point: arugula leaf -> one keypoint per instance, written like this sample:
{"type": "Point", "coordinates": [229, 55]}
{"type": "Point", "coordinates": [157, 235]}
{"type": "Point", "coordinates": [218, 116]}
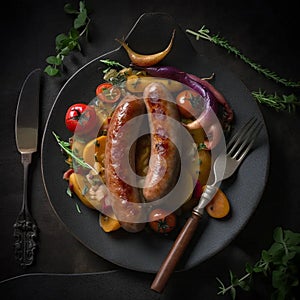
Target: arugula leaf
{"type": "Point", "coordinates": [111, 64]}
{"type": "Point", "coordinates": [66, 147]}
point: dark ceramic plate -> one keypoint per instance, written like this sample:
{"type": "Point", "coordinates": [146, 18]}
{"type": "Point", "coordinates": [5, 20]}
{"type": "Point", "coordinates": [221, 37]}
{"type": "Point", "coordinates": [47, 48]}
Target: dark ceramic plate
{"type": "Point", "coordinates": [145, 251]}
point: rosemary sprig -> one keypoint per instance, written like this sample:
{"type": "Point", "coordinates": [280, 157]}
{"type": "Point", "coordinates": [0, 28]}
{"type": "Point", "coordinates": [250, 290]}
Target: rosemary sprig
{"type": "Point", "coordinates": [203, 33]}
{"type": "Point", "coordinates": [279, 103]}
{"type": "Point", "coordinates": [65, 146]}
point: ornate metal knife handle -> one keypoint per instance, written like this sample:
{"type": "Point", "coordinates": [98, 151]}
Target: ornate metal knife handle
{"type": "Point", "coordinates": [25, 228]}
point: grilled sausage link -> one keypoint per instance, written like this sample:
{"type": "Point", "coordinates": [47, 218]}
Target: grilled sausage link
{"type": "Point", "coordinates": [123, 195]}
{"type": "Point", "coordinates": [164, 164]}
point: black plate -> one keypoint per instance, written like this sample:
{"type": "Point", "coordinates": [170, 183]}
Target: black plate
{"type": "Point", "coordinates": [146, 250]}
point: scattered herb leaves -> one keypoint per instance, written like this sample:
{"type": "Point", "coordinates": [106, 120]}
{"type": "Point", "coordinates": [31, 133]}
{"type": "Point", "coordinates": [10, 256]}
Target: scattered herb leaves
{"type": "Point", "coordinates": [201, 146]}
{"type": "Point", "coordinates": [69, 192]}
{"type": "Point", "coordinates": [78, 208]}
{"type": "Point", "coordinates": [279, 264]}
{"type": "Point", "coordinates": [65, 43]}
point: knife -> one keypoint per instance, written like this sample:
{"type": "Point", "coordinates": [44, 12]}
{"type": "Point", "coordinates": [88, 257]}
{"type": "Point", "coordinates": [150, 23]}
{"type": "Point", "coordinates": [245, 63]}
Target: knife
{"type": "Point", "coordinates": [26, 132]}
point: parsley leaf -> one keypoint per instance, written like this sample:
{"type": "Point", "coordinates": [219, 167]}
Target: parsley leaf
{"type": "Point", "coordinates": [65, 43]}
{"type": "Point", "coordinates": [279, 264]}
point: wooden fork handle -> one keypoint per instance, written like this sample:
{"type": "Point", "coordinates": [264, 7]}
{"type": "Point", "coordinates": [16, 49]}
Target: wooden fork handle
{"type": "Point", "coordinates": [175, 253]}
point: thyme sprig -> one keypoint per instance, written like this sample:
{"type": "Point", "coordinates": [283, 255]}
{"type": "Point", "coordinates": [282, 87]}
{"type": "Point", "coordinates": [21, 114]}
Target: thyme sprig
{"type": "Point", "coordinates": [65, 43]}
{"type": "Point", "coordinates": [279, 103]}
{"type": "Point", "coordinates": [280, 264]}
{"type": "Point", "coordinates": [204, 33]}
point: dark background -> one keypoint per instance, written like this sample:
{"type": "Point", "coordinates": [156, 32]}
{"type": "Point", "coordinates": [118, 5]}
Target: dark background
{"type": "Point", "coordinates": [264, 31]}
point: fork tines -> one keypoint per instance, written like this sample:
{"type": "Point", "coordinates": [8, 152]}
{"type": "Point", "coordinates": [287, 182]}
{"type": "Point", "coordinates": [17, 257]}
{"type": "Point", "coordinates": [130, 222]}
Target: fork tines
{"type": "Point", "coordinates": [240, 144]}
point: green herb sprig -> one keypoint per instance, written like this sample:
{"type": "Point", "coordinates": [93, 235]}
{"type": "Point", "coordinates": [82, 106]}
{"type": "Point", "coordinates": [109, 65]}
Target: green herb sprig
{"type": "Point", "coordinates": [280, 264]}
{"type": "Point", "coordinates": [65, 43]}
{"type": "Point", "coordinates": [65, 146]}
{"type": "Point", "coordinates": [111, 64]}
{"type": "Point", "coordinates": [279, 103]}
{"type": "Point", "coordinates": [203, 33]}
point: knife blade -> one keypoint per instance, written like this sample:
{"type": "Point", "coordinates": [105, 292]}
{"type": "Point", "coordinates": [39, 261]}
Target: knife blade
{"type": "Point", "coordinates": [26, 134]}
{"type": "Point", "coordinates": [27, 114]}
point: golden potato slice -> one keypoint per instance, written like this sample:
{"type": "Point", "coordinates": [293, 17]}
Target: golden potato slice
{"type": "Point", "coordinates": [94, 150]}
{"type": "Point", "coordinates": [79, 185]}
{"type": "Point", "coordinates": [137, 84]}
{"type": "Point", "coordinates": [108, 224]}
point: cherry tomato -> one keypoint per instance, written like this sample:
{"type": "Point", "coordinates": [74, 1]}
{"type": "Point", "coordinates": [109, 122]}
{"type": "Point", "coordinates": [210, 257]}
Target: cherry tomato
{"type": "Point", "coordinates": [108, 92]}
{"type": "Point", "coordinates": [80, 117]}
{"type": "Point", "coordinates": [189, 103]}
{"type": "Point", "coordinates": [162, 221]}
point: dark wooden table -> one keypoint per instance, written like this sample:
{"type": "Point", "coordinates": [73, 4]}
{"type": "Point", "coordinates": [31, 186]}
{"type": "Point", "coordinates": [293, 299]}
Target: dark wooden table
{"type": "Point", "coordinates": [265, 32]}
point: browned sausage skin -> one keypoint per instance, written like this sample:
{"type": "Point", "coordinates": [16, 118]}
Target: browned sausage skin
{"type": "Point", "coordinates": [164, 164]}
{"type": "Point", "coordinates": [123, 195]}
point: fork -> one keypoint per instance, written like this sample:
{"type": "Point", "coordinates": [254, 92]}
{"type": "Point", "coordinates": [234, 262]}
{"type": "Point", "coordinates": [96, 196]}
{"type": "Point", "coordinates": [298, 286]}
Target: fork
{"type": "Point", "coordinates": [224, 166]}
